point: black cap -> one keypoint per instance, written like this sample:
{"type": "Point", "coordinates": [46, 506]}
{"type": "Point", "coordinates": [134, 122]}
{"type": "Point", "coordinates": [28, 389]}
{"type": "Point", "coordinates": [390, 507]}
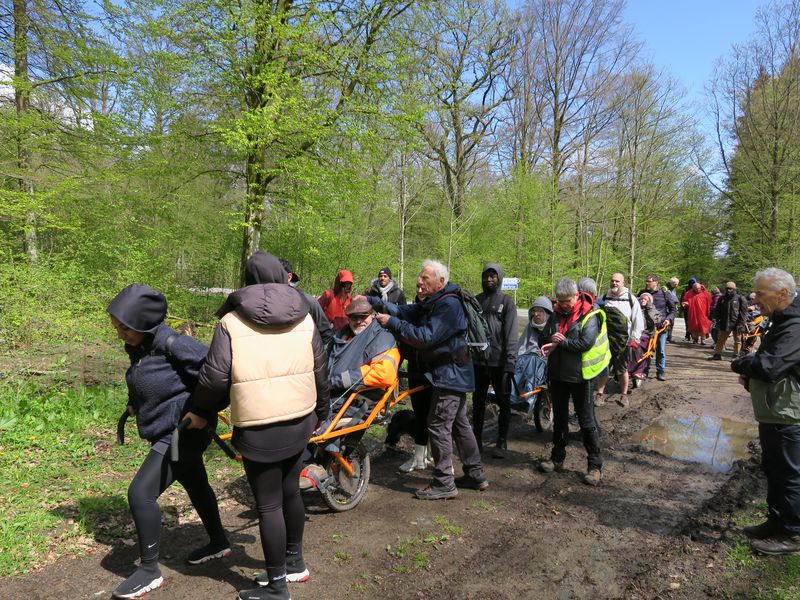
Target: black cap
{"type": "Point", "coordinates": [139, 307]}
{"type": "Point", "coordinates": [386, 270]}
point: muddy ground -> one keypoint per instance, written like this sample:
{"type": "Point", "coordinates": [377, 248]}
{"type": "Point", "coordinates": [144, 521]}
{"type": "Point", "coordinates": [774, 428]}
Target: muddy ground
{"type": "Point", "coordinates": [657, 527]}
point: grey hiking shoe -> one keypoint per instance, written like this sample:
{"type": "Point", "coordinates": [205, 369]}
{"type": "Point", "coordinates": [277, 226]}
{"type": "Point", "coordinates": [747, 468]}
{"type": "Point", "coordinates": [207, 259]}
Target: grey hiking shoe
{"type": "Point", "coordinates": [436, 492]}
{"type": "Point", "coordinates": [778, 543]}
{"type": "Point", "coordinates": [548, 466]}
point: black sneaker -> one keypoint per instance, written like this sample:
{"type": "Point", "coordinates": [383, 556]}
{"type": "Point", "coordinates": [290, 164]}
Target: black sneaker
{"type": "Point", "coordinates": [138, 584]}
{"type": "Point", "coordinates": [296, 571]}
{"type": "Point", "coordinates": [436, 492]}
{"type": "Point", "coordinates": [473, 483]}
{"type": "Point", "coordinates": [209, 552]}
{"type": "Point", "coordinates": [275, 590]}
{"type": "Point", "coordinates": [500, 449]}
{"type": "Point", "coordinates": [715, 356]}
{"type": "Point", "coordinates": [661, 377]}
{"type": "Point", "coordinates": [761, 531]}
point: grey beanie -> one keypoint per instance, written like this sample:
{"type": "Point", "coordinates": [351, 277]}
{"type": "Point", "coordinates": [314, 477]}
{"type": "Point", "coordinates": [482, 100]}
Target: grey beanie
{"type": "Point", "coordinates": [543, 302]}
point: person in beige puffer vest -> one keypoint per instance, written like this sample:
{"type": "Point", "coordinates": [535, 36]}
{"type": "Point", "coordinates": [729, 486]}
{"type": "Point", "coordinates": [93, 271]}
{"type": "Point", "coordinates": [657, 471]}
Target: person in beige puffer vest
{"type": "Point", "coordinates": [268, 362]}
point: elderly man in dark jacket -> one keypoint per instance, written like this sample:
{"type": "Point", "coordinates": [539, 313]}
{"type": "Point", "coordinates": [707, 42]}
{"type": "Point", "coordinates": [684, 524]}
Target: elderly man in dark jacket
{"type": "Point", "coordinates": [665, 305]}
{"type": "Point", "coordinates": [435, 328]}
{"type": "Point", "coordinates": [731, 317]}
{"type": "Point", "coordinates": [500, 312]}
{"type": "Point", "coordinates": [772, 375]}
{"type": "Point", "coordinates": [572, 331]}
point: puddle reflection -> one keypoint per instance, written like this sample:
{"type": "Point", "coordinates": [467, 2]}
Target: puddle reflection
{"type": "Point", "coordinates": [713, 441]}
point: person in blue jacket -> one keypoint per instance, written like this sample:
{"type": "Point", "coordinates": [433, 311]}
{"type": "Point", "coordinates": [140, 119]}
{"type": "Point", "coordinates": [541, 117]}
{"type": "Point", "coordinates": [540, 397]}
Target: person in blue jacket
{"type": "Point", "coordinates": [161, 378]}
{"type": "Point", "coordinates": [435, 328]}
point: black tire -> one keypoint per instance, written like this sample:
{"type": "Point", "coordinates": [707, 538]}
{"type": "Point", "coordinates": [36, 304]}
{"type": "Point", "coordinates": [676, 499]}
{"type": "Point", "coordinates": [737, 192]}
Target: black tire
{"type": "Point", "coordinates": [543, 412]}
{"type": "Point", "coordinates": [345, 492]}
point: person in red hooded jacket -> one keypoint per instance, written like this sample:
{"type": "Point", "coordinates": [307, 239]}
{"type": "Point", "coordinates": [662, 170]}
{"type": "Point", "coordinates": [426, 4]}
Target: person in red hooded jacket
{"type": "Point", "coordinates": [698, 302]}
{"type": "Point", "coordinates": [335, 300]}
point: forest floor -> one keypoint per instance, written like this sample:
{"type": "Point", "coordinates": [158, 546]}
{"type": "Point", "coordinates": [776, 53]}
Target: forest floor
{"type": "Point", "coordinates": [679, 472]}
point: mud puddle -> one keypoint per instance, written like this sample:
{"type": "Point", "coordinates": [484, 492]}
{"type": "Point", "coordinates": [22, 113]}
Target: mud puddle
{"type": "Point", "coordinates": [713, 441]}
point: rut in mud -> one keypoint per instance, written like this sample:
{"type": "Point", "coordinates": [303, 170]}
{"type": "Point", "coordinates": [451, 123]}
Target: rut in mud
{"type": "Point", "coordinates": [654, 528]}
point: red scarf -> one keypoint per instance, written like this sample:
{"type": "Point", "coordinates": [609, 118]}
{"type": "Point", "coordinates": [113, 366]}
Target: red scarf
{"type": "Point", "coordinates": [565, 320]}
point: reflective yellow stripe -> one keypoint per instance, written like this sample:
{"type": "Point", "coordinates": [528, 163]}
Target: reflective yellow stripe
{"type": "Point", "coordinates": [595, 359]}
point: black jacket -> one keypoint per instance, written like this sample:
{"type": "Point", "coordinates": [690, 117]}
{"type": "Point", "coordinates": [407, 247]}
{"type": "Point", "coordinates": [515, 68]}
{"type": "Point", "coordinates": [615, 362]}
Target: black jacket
{"type": "Point", "coordinates": [320, 320]}
{"type": "Point", "coordinates": [436, 330]}
{"type": "Point", "coordinates": [779, 349]}
{"type": "Point", "coordinates": [564, 363]}
{"type": "Point", "coordinates": [394, 295]}
{"type": "Point", "coordinates": [500, 313]}
{"type": "Point", "coordinates": [731, 313]}
{"type": "Point", "coordinates": [267, 301]}
{"type": "Point", "coordinates": [161, 381]}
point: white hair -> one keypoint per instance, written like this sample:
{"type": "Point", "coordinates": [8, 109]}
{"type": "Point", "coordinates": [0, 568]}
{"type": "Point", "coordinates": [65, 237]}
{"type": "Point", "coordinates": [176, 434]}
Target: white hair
{"type": "Point", "coordinates": [566, 287]}
{"type": "Point", "coordinates": [587, 284]}
{"type": "Point", "coordinates": [778, 280]}
{"type": "Point", "coordinates": [439, 270]}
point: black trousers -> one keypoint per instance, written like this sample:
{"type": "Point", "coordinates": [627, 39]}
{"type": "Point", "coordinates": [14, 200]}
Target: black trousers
{"type": "Point", "coordinates": [154, 476]}
{"type": "Point", "coordinates": [485, 375]}
{"type": "Point", "coordinates": [281, 514]}
{"type": "Point", "coordinates": [581, 394]}
{"type": "Point", "coordinates": [780, 459]}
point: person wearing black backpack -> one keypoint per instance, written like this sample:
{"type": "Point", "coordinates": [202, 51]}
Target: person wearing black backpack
{"type": "Point", "coordinates": [500, 312]}
{"type": "Point", "coordinates": [436, 329]}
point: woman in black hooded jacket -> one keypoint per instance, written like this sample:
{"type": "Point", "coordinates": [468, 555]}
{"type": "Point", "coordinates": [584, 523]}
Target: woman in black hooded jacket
{"type": "Point", "coordinates": [161, 379]}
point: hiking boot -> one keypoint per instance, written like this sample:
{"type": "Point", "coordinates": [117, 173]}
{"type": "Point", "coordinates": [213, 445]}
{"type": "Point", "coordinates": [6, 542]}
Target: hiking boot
{"type": "Point", "coordinates": [500, 449]}
{"type": "Point", "coordinates": [296, 571]}
{"type": "Point", "coordinates": [761, 531]}
{"type": "Point", "coordinates": [778, 543]}
{"type": "Point", "coordinates": [661, 377]}
{"type": "Point", "coordinates": [715, 356]}
{"type": "Point", "coordinates": [312, 475]}
{"type": "Point", "coordinates": [623, 400]}
{"type": "Point", "coordinates": [274, 590]}
{"type": "Point", "coordinates": [209, 552]}
{"type": "Point", "coordinates": [593, 476]}
{"type": "Point", "coordinates": [702, 342]}
{"type": "Point", "coordinates": [473, 483]}
{"type": "Point", "coordinates": [599, 399]}
{"type": "Point", "coordinates": [436, 492]}
{"type": "Point", "coordinates": [142, 581]}
{"type": "Point", "coordinates": [548, 466]}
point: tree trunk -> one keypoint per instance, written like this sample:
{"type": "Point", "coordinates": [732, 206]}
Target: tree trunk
{"type": "Point", "coordinates": [22, 101]}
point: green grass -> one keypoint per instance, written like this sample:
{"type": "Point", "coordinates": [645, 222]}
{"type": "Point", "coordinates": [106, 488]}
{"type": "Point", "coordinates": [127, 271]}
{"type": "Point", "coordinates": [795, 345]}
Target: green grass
{"type": "Point", "coordinates": [767, 577]}
{"type": "Point", "coordinates": [411, 553]}
{"type": "Point", "coordinates": [62, 476]}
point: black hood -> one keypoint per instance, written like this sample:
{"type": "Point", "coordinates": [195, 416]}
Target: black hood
{"type": "Point", "coordinates": [267, 299]}
{"type": "Point", "coordinates": [139, 307]}
{"type": "Point", "coordinates": [262, 267]}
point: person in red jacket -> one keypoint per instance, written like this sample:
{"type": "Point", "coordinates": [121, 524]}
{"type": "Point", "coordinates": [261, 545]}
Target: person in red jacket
{"type": "Point", "coordinates": [698, 302]}
{"type": "Point", "coordinates": [335, 300]}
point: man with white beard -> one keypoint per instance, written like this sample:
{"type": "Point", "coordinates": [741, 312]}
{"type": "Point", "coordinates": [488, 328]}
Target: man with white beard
{"type": "Point", "coordinates": [625, 323]}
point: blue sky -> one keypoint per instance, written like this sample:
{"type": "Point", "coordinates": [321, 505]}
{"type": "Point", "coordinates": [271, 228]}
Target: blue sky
{"type": "Point", "coordinates": [686, 37]}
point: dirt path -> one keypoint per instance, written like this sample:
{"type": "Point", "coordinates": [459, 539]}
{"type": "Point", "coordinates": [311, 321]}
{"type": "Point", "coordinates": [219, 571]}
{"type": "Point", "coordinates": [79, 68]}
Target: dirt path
{"type": "Point", "coordinates": [652, 529]}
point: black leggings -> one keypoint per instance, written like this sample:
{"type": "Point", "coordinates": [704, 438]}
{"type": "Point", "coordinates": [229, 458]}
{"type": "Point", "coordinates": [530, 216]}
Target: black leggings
{"type": "Point", "coordinates": [281, 514]}
{"type": "Point", "coordinates": [421, 403]}
{"type": "Point", "coordinates": [154, 476]}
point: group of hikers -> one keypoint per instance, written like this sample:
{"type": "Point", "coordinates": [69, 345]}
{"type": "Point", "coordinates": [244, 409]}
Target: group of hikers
{"type": "Point", "coordinates": [282, 360]}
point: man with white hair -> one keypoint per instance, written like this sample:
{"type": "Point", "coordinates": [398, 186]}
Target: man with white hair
{"type": "Point", "coordinates": [622, 309]}
{"type": "Point", "coordinates": [772, 376]}
{"type": "Point", "coordinates": [435, 328]}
